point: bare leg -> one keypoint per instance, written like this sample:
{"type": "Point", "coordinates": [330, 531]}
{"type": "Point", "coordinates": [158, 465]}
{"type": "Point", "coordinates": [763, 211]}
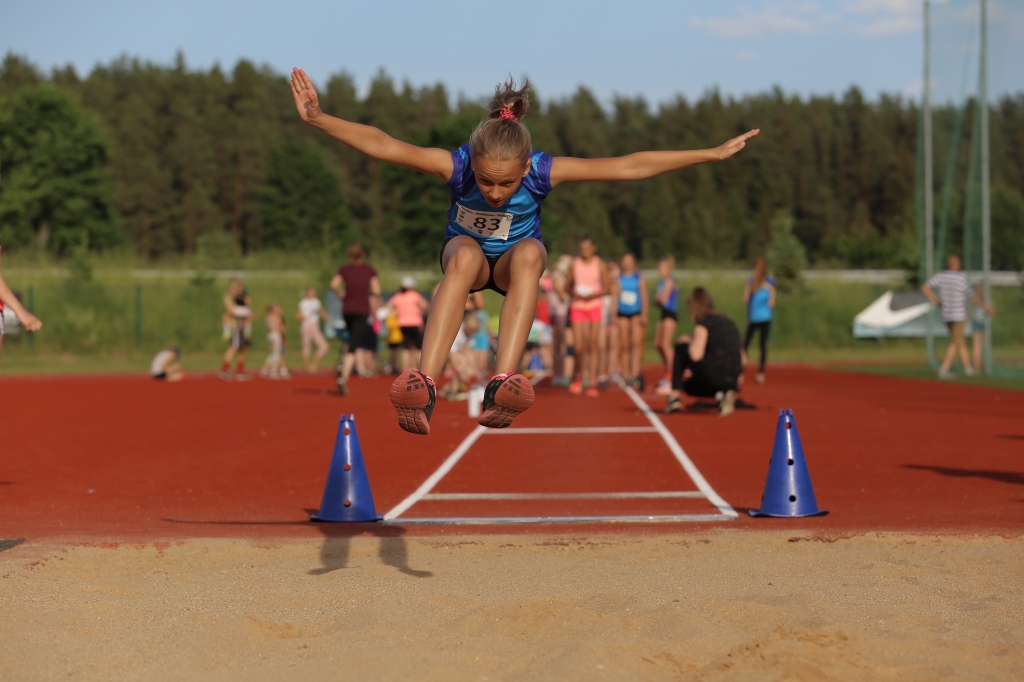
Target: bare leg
{"type": "Point", "coordinates": [947, 361]}
{"type": "Point", "coordinates": [518, 272]}
{"type": "Point", "coordinates": [464, 268]}
{"type": "Point", "coordinates": [977, 342]}
{"type": "Point", "coordinates": [965, 358]}
{"type": "Point", "coordinates": [637, 345]}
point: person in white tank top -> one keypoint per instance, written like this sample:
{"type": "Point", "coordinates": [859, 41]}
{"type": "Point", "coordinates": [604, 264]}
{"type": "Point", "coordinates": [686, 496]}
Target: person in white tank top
{"type": "Point", "coordinates": [309, 315]}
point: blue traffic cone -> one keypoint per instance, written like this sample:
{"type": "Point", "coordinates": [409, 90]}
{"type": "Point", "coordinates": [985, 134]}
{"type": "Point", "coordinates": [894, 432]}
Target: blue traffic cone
{"type": "Point", "coordinates": [788, 491]}
{"type": "Point", "coordinates": [347, 495]}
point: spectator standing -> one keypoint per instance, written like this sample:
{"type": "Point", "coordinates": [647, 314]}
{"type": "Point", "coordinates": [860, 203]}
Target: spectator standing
{"type": "Point", "coordinates": [310, 313]}
{"type": "Point", "coordinates": [27, 320]}
{"type": "Point", "coordinates": [951, 286]}
{"type": "Point", "coordinates": [709, 363]}
{"type": "Point", "coordinates": [357, 286]}
{"type": "Point", "coordinates": [409, 306]}
{"type": "Point", "coordinates": [982, 311]}
{"type": "Point", "coordinates": [666, 295]}
{"type": "Point", "coordinates": [632, 319]}
{"type": "Point", "coordinates": [759, 295]}
{"type": "Point", "coordinates": [588, 282]}
{"type": "Point", "coordinates": [237, 307]}
{"type": "Point", "coordinates": [558, 305]}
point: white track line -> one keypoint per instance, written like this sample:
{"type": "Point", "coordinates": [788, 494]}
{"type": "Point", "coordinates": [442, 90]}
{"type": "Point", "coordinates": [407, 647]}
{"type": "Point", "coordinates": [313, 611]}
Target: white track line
{"type": "Point", "coordinates": [680, 455]}
{"type": "Point", "coordinates": [571, 429]}
{"type": "Point", "coordinates": [559, 519]}
{"type": "Point", "coordinates": [435, 477]}
{"type": "Point", "coordinates": [656, 495]}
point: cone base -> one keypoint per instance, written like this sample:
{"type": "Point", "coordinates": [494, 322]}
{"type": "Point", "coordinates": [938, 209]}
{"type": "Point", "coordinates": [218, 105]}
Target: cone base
{"type": "Point", "coordinates": [758, 512]}
{"type": "Point", "coordinates": [370, 519]}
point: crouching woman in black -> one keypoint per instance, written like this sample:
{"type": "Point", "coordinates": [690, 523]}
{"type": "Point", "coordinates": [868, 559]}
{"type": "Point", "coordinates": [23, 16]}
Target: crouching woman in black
{"type": "Point", "coordinates": [708, 364]}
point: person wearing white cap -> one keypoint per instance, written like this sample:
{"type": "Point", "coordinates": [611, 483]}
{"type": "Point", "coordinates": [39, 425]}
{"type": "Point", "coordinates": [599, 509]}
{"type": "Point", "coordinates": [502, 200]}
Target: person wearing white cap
{"type": "Point", "coordinates": [409, 306]}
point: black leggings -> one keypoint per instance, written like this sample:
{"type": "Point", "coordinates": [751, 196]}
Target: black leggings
{"type": "Point", "coordinates": [764, 328]}
{"type": "Point", "coordinates": [702, 384]}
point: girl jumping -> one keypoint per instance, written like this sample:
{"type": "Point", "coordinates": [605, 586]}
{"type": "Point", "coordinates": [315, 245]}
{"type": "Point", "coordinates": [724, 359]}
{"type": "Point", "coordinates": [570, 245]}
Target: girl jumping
{"type": "Point", "coordinates": [492, 240]}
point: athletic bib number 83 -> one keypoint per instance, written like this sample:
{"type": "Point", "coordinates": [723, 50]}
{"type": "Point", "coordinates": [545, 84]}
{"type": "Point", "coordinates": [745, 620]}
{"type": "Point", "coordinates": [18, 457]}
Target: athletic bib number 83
{"type": "Point", "coordinates": [484, 223]}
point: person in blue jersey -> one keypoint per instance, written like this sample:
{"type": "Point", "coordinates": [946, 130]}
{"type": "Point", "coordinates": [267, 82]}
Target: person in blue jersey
{"type": "Point", "coordinates": [666, 295]}
{"type": "Point", "coordinates": [632, 317]}
{"type": "Point", "coordinates": [759, 295]}
{"type": "Point", "coordinates": [498, 183]}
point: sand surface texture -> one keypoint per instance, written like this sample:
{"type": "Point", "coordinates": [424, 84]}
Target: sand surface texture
{"type": "Point", "coordinates": [722, 605]}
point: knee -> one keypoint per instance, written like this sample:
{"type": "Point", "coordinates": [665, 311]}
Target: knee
{"type": "Point", "coordinates": [530, 255]}
{"type": "Point", "coordinates": [465, 260]}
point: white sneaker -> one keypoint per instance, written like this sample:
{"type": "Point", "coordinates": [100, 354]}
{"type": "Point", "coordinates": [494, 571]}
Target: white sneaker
{"type": "Point", "coordinates": [728, 404]}
{"type": "Point", "coordinates": [946, 374]}
{"type": "Point", "coordinates": [971, 372]}
{"type": "Point", "coordinates": [664, 387]}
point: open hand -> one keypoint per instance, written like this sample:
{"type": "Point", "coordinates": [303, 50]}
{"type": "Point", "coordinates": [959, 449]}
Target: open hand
{"type": "Point", "coordinates": [306, 100]}
{"type": "Point", "coordinates": [726, 150]}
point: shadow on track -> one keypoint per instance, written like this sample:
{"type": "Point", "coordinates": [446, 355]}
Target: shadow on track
{"type": "Point", "coordinates": [1012, 477]}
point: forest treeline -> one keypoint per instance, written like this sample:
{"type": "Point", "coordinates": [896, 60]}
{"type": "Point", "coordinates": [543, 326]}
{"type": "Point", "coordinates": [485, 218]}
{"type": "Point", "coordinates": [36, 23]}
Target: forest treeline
{"type": "Point", "coordinates": [167, 159]}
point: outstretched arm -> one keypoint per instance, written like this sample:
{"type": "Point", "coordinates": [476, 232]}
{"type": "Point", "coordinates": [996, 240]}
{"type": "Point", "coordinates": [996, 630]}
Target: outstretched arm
{"type": "Point", "coordinates": [371, 141]}
{"type": "Point", "coordinates": [641, 165]}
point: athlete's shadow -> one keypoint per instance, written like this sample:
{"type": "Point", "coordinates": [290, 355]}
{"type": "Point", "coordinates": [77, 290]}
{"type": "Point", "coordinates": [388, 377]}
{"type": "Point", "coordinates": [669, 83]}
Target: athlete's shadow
{"type": "Point", "coordinates": [392, 550]}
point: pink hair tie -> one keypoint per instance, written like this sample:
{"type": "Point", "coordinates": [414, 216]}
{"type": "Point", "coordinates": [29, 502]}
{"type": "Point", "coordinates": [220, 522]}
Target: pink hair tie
{"type": "Point", "coordinates": [506, 114]}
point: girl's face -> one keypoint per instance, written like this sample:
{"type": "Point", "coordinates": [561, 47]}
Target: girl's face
{"type": "Point", "coordinates": [628, 263]}
{"type": "Point", "coordinates": [311, 293]}
{"type": "Point", "coordinates": [588, 249]}
{"type": "Point", "coordinates": [663, 269]}
{"type": "Point", "coordinates": [498, 180]}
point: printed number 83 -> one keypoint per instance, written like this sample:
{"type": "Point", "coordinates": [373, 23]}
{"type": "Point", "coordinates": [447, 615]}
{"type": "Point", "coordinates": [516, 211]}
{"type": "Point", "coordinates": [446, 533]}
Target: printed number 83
{"type": "Point", "coordinates": [480, 223]}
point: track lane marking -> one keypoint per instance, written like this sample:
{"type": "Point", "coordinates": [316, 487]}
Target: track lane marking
{"type": "Point", "coordinates": [681, 455]}
{"type": "Point", "coordinates": [436, 477]}
{"type": "Point", "coordinates": [655, 495]}
{"type": "Point", "coordinates": [496, 520]}
{"type": "Point", "coordinates": [571, 429]}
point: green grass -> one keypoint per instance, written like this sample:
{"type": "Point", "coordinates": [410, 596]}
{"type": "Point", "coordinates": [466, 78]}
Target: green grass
{"type": "Point", "coordinates": [922, 371]}
{"type": "Point", "coordinates": [91, 325]}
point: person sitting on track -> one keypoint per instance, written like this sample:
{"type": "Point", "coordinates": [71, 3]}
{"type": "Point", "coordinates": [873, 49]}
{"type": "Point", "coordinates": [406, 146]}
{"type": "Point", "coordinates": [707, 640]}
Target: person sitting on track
{"type": "Point", "coordinates": [708, 364]}
{"type": "Point", "coordinates": [166, 365]}
{"type": "Point", "coordinates": [492, 239]}
{"type": "Point", "coordinates": [28, 321]}
{"type": "Point", "coordinates": [310, 312]}
{"type": "Point", "coordinates": [237, 305]}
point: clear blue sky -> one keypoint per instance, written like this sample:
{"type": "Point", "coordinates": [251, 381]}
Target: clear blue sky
{"type": "Point", "coordinates": [650, 48]}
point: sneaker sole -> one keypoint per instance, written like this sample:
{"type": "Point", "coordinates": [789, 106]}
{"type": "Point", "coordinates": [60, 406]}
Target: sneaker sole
{"type": "Point", "coordinates": [410, 397]}
{"type": "Point", "coordinates": [513, 398]}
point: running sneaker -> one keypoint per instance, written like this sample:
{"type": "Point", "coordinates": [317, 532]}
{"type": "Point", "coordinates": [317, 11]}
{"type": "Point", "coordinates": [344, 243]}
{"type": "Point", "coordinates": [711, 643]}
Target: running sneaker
{"type": "Point", "coordinates": [225, 375]}
{"type": "Point", "coordinates": [505, 398]}
{"type": "Point", "coordinates": [673, 405]}
{"type": "Point", "coordinates": [559, 382]}
{"type": "Point", "coordinates": [413, 395]}
{"type": "Point", "coordinates": [971, 372]}
{"type": "Point", "coordinates": [592, 393]}
{"type": "Point", "coordinates": [946, 374]}
{"type": "Point", "coordinates": [576, 387]}
{"type": "Point", "coordinates": [602, 384]}
{"type": "Point", "coordinates": [641, 383]}
{"type": "Point", "coordinates": [664, 387]}
{"type": "Point", "coordinates": [342, 383]}
{"type": "Point", "coordinates": [728, 404]}
{"type": "Point", "coordinates": [243, 376]}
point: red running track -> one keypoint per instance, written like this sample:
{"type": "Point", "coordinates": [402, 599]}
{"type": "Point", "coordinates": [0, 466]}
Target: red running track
{"type": "Point", "coordinates": [112, 458]}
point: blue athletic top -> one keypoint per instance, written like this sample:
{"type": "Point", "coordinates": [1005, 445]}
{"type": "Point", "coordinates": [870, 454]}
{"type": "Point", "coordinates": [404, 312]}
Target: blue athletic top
{"type": "Point", "coordinates": [629, 294]}
{"type": "Point", "coordinates": [672, 304]}
{"type": "Point", "coordinates": [758, 309]}
{"type": "Point", "coordinates": [496, 229]}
